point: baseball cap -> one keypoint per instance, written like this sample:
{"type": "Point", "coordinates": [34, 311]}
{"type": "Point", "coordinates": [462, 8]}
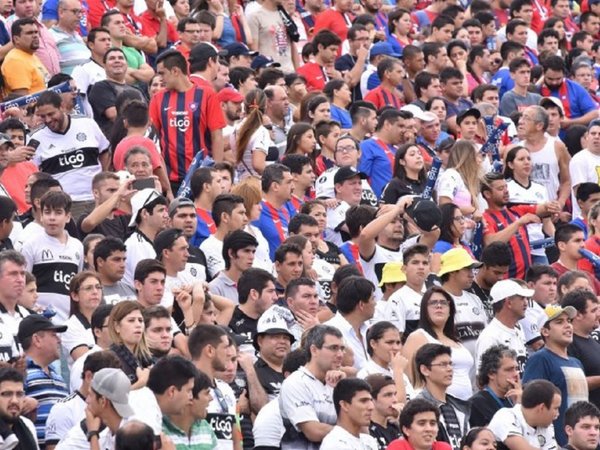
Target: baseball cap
{"type": "Point", "coordinates": [5, 139]}
{"type": "Point", "coordinates": [392, 273]}
{"type": "Point", "coordinates": [229, 94]}
{"type": "Point", "coordinates": [417, 112]}
{"type": "Point", "coordinates": [457, 259]}
{"type": "Point", "coordinates": [345, 173]}
{"type": "Point", "coordinates": [383, 48]}
{"type": "Point", "coordinates": [203, 51]}
{"type": "Point", "coordinates": [507, 288]}
{"type": "Point", "coordinates": [239, 49]}
{"type": "Point", "coordinates": [141, 199]}
{"type": "Point", "coordinates": [115, 386]}
{"type": "Point", "coordinates": [34, 323]}
{"type": "Point", "coordinates": [552, 312]}
{"type": "Point", "coordinates": [179, 202]}
{"type": "Point", "coordinates": [262, 61]}
{"type": "Point", "coordinates": [271, 322]}
{"type": "Point", "coordinates": [553, 102]}
{"type": "Point", "coordinates": [471, 112]}
{"type": "Point", "coordinates": [428, 116]}
{"type": "Point", "coordinates": [425, 214]}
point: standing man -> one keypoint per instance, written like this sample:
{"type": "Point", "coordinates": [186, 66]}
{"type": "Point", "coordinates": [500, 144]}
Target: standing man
{"type": "Point", "coordinates": [189, 119]}
{"type": "Point", "coordinates": [71, 48]}
{"type": "Point", "coordinates": [318, 72]}
{"type": "Point", "coordinates": [553, 362]}
{"type": "Point", "coordinates": [583, 166]}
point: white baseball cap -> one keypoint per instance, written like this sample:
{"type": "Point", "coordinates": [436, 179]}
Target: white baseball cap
{"type": "Point", "coordinates": [507, 288]}
{"type": "Point", "coordinates": [141, 199]}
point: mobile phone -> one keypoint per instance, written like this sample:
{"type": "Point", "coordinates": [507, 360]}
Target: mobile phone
{"type": "Point", "coordinates": [143, 183]}
{"type": "Point", "coordinates": [33, 143]}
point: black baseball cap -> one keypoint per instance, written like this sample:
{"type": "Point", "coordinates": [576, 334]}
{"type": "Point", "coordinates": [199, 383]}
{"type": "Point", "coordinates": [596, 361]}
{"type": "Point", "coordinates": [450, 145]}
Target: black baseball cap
{"type": "Point", "coordinates": [347, 172]}
{"type": "Point", "coordinates": [425, 214]}
{"type": "Point", "coordinates": [35, 323]}
{"type": "Point", "coordinates": [471, 112]}
{"type": "Point", "coordinates": [165, 239]}
{"type": "Point", "coordinates": [239, 49]}
{"type": "Point", "coordinates": [203, 51]}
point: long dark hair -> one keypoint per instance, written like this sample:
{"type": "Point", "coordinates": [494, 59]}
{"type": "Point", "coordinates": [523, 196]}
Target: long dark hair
{"type": "Point", "coordinates": [400, 170]}
{"type": "Point", "coordinates": [295, 135]}
{"type": "Point", "coordinates": [447, 232]}
{"type": "Point", "coordinates": [256, 104]}
{"type": "Point", "coordinates": [425, 321]}
{"type": "Point", "coordinates": [510, 157]}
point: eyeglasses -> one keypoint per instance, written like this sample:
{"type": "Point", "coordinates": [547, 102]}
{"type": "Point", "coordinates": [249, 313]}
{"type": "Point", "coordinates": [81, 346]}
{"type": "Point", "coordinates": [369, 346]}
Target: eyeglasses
{"type": "Point", "coordinates": [335, 348]}
{"type": "Point", "coordinates": [346, 149]}
{"type": "Point", "coordinates": [434, 303]}
{"type": "Point", "coordinates": [91, 287]}
{"type": "Point", "coordinates": [443, 365]}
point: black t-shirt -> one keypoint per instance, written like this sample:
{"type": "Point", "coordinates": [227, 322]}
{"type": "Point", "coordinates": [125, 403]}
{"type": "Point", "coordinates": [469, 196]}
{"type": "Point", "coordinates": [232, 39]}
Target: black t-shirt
{"type": "Point", "coordinates": [269, 379]}
{"type": "Point", "coordinates": [398, 188]}
{"type": "Point", "coordinates": [484, 406]}
{"type": "Point", "coordinates": [242, 324]}
{"type": "Point", "coordinates": [384, 436]}
{"type": "Point", "coordinates": [346, 63]}
{"type": "Point", "coordinates": [587, 350]}
{"type": "Point", "coordinates": [117, 227]}
{"type": "Point", "coordinates": [103, 95]}
{"type": "Point", "coordinates": [484, 296]}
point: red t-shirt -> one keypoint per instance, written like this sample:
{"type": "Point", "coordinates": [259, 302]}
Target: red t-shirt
{"type": "Point", "coordinates": [151, 27]}
{"type": "Point", "coordinates": [184, 121]}
{"type": "Point", "coordinates": [315, 76]}
{"type": "Point", "coordinates": [332, 19]}
{"type": "Point", "coordinates": [381, 97]}
{"type": "Point", "coordinates": [14, 179]}
{"type": "Point", "coordinates": [184, 50]}
{"type": "Point", "coordinates": [133, 22]}
{"type": "Point", "coordinates": [96, 9]}
{"type": "Point", "coordinates": [128, 143]}
{"type": "Point", "coordinates": [202, 83]}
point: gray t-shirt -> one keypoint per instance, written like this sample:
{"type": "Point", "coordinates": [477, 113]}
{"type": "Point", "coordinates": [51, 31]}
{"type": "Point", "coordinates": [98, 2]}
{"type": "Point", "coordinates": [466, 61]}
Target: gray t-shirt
{"type": "Point", "coordinates": [511, 102]}
{"type": "Point", "coordinates": [224, 286]}
{"type": "Point", "coordinates": [118, 292]}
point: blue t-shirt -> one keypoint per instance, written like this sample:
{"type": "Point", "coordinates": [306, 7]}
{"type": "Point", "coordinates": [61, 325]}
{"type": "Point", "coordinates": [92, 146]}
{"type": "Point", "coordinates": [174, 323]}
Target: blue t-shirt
{"type": "Point", "coordinates": [4, 37]}
{"type": "Point", "coordinates": [373, 81]}
{"type": "Point", "coordinates": [503, 80]}
{"type": "Point", "coordinates": [375, 164]}
{"type": "Point", "coordinates": [228, 35]}
{"type": "Point", "coordinates": [565, 374]}
{"type": "Point", "coordinates": [580, 100]}
{"type": "Point", "coordinates": [342, 116]}
{"type": "Point", "coordinates": [273, 223]}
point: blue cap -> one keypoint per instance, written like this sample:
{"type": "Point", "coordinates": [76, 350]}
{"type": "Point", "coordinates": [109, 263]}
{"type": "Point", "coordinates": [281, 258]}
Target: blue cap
{"type": "Point", "coordinates": [238, 49]}
{"type": "Point", "coordinates": [262, 61]}
{"type": "Point", "coordinates": [383, 48]}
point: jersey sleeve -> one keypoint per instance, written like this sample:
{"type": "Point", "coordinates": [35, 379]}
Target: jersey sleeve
{"type": "Point", "coordinates": [585, 101]}
{"type": "Point", "coordinates": [154, 111]}
{"type": "Point", "coordinates": [50, 10]}
{"type": "Point", "coordinates": [504, 424]}
{"type": "Point", "coordinates": [294, 401]}
{"type": "Point", "coordinates": [215, 116]}
{"type": "Point", "coordinates": [535, 369]}
{"type": "Point", "coordinates": [58, 424]}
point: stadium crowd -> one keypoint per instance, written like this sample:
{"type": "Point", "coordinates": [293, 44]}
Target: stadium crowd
{"type": "Point", "coordinates": [300, 225]}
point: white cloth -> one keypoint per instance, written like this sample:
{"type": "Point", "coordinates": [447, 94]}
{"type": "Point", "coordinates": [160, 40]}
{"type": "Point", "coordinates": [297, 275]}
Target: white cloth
{"type": "Point", "coordinates": [358, 345]}
{"type": "Point", "coordinates": [213, 250]}
{"type": "Point", "coordinates": [497, 333]}
{"type": "Point", "coordinates": [138, 247]}
{"type": "Point", "coordinates": [583, 168]}
{"type": "Point", "coordinates": [77, 335]}
{"type": "Point", "coordinates": [535, 194]}
{"type": "Point", "coordinates": [268, 426]}
{"type": "Point", "coordinates": [64, 415]}
{"type": "Point", "coordinates": [509, 422]}
{"type": "Point", "coordinates": [340, 439]}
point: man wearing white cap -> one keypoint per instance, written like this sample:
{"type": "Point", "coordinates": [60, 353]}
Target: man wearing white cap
{"type": "Point", "coordinates": [148, 216]}
{"type": "Point", "coordinates": [108, 404]}
{"type": "Point", "coordinates": [509, 303]}
{"type": "Point", "coordinates": [273, 340]}
{"type": "Point", "coordinates": [553, 363]}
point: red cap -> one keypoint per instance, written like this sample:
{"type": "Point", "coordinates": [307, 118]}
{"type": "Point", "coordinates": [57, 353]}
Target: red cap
{"type": "Point", "coordinates": [230, 95]}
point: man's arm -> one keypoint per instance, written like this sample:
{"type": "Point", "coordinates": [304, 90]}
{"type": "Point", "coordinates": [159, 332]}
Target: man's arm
{"type": "Point", "coordinates": [143, 74]}
{"type": "Point", "coordinates": [217, 144]}
{"type": "Point", "coordinates": [583, 120]}
{"type": "Point", "coordinates": [142, 43]}
{"type": "Point", "coordinates": [353, 76]}
{"type": "Point", "coordinates": [385, 215]}
{"type": "Point", "coordinates": [507, 233]}
{"type": "Point", "coordinates": [315, 431]}
{"type": "Point", "coordinates": [102, 211]}
{"type": "Point", "coordinates": [564, 191]}
{"type": "Point", "coordinates": [104, 159]}
{"type": "Point", "coordinates": [256, 393]}
{"type": "Point", "coordinates": [518, 443]}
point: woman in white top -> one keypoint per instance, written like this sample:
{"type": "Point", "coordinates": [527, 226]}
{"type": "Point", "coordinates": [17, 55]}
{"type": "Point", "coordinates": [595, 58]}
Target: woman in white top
{"type": "Point", "coordinates": [252, 140]}
{"type": "Point", "coordinates": [383, 347]}
{"type": "Point", "coordinates": [521, 189]}
{"type": "Point", "coordinates": [249, 189]}
{"type": "Point", "coordinates": [436, 325]}
{"type": "Point", "coordinates": [86, 294]}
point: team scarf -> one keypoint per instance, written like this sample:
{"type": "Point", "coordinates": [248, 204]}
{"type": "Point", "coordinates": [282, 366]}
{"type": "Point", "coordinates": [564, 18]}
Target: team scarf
{"type": "Point", "coordinates": [563, 95]}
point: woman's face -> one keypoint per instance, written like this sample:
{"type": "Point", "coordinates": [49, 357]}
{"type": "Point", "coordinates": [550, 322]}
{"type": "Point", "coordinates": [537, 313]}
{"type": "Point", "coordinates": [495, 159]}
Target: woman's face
{"type": "Point", "coordinates": [29, 297]}
{"type": "Point", "coordinates": [89, 294]}
{"type": "Point", "coordinates": [438, 107]}
{"type": "Point", "coordinates": [438, 310]}
{"type": "Point", "coordinates": [307, 142]}
{"type": "Point", "coordinates": [322, 112]}
{"type": "Point", "coordinates": [387, 346]}
{"type": "Point", "coordinates": [329, 142]}
{"type": "Point", "coordinates": [458, 224]}
{"type": "Point", "coordinates": [344, 94]}
{"type": "Point", "coordinates": [560, 28]}
{"type": "Point", "coordinates": [209, 315]}
{"type": "Point", "coordinates": [156, 85]}
{"type": "Point", "coordinates": [346, 153]}
{"type": "Point", "coordinates": [89, 256]}
{"type": "Point", "coordinates": [182, 8]}
{"type": "Point", "coordinates": [458, 54]}
{"type": "Point", "coordinates": [131, 328]}
{"type": "Point", "coordinates": [413, 159]}
{"type": "Point", "coordinates": [307, 255]}
{"type": "Point", "coordinates": [579, 283]}
{"type": "Point", "coordinates": [463, 35]}
{"type": "Point", "coordinates": [404, 25]}
{"type": "Point", "coordinates": [320, 214]}
{"type": "Point", "coordinates": [521, 165]}
{"type": "Point", "coordinates": [485, 441]}
{"type": "Point", "coordinates": [255, 212]}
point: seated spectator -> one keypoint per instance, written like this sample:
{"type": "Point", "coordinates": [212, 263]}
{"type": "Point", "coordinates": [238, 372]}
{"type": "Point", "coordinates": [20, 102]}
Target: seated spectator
{"type": "Point", "coordinates": [66, 33]}
{"type": "Point", "coordinates": [109, 263]}
{"type": "Point", "coordinates": [18, 430]}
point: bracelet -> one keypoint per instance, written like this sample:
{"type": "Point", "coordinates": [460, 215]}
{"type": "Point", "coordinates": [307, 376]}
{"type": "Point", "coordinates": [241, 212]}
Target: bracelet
{"type": "Point", "coordinates": [90, 435]}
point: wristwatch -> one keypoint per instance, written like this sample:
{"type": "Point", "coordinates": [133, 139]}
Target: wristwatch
{"type": "Point", "coordinates": [90, 434]}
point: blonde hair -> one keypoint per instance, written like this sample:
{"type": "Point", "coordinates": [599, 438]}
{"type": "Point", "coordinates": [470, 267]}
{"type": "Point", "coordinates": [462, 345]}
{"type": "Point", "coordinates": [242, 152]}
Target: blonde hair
{"type": "Point", "coordinates": [117, 314]}
{"type": "Point", "coordinates": [463, 159]}
{"type": "Point", "coordinates": [249, 189]}
{"type": "Point", "coordinates": [593, 215]}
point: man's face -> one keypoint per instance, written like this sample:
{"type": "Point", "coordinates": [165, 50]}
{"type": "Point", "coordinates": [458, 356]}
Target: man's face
{"type": "Point", "coordinates": [116, 26]}
{"type": "Point", "coordinates": [11, 400]}
{"type": "Point", "coordinates": [191, 34]}
{"type": "Point", "coordinates": [169, 77]}
{"type": "Point", "coordinates": [453, 88]}
{"type": "Point", "coordinates": [395, 74]}
{"type": "Point", "coordinates": [244, 258]}
{"type": "Point", "coordinates": [26, 9]}
{"type": "Point", "coordinates": [553, 78]}
{"type": "Point", "coordinates": [179, 254]}
{"type": "Point", "coordinates": [12, 280]}
{"type": "Point", "coordinates": [553, 119]}
{"type": "Point", "coordinates": [362, 40]}
{"type": "Point", "coordinates": [200, 404]}
{"type": "Point", "coordinates": [306, 299]}
{"type": "Point", "coordinates": [499, 192]}
{"type": "Point", "coordinates": [291, 267]}
{"type": "Point", "coordinates": [17, 136]}
{"type": "Point", "coordinates": [592, 25]}
{"type": "Point", "coordinates": [350, 190]}
{"type": "Point", "coordinates": [492, 97]}
{"type": "Point", "coordinates": [444, 34]}
{"type": "Point", "coordinates": [423, 430]}
{"type": "Point", "coordinates": [475, 35]}
{"type": "Point", "coordinates": [285, 187]}
{"type": "Point", "coordinates": [559, 331]}
{"type": "Point", "coordinates": [329, 357]}
{"type": "Point", "coordinates": [101, 44]}
{"type": "Point", "coordinates": [584, 76]}
{"type": "Point", "coordinates": [589, 320]}
{"type": "Point", "coordinates": [226, 181]}
{"type": "Point", "coordinates": [586, 433]}
{"type": "Point", "coordinates": [158, 335]}
{"type": "Point", "coordinates": [468, 127]}
{"type": "Point", "coordinates": [116, 64]}
{"type": "Point", "coordinates": [360, 409]}
{"type": "Point", "coordinates": [49, 344]}
{"type": "Point", "coordinates": [274, 346]}
{"type": "Point", "coordinates": [113, 267]}
{"type": "Point", "coordinates": [594, 138]}
{"type": "Point", "coordinates": [220, 358]}
{"type": "Point", "coordinates": [55, 220]}
{"type": "Point", "coordinates": [549, 415]}
{"type": "Point", "coordinates": [51, 116]}
{"type": "Point", "coordinates": [267, 298]}
{"type": "Point", "coordinates": [307, 178]}
{"type": "Point", "coordinates": [416, 269]}
{"type": "Point", "coordinates": [544, 289]}
{"type": "Point", "coordinates": [507, 375]}
{"type": "Point", "coordinates": [152, 289]}
{"type": "Point", "coordinates": [550, 45]}
{"type": "Point", "coordinates": [519, 35]}
{"type": "Point", "coordinates": [310, 232]}
{"type": "Point", "coordinates": [434, 89]}
{"type": "Point", "coordinates": [139, 165]}
{"type": "Point", "coordinates": [105, 190]}
{"type": "Point", "coordinates": [279, 104]}
{"type": "Point", "coordinates": [205, 33]}
{"type": "Point", "coordinates": [561, 9]}
{"type": "Point", "coordinates": [440, 373]}
{"type": "Point", "coordinates": [525, 14]}
{"type": "Point", "coordinates": [385, 401]}
{"type": "Point", "coordinates": [416, 63]}
{"type": "Point", "coordinates": [572, 246]}
{"type": "Point", "coordinates": [431, 130]}
{"type": "Point", "coordinates": [232, 110]}
{"type": "Point", "coordinates": [518, 305]}
{"type": "Point", "coordinates": [441, 59]}
{"type": "Point", "coordinates": [185, 219]}
{"type": "Point", "coordinates": [69, 14]}
{"type": "Point", "coordinates": [522, 76]}
{"type": "Point", "coordinates": [238, 218]}
{"type": "Point", "coordinates": [328, 54]}
{"type": "Point", "coordinates": [464, 278]}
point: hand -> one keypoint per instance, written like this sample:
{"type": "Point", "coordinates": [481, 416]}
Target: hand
{"type": "Point", "coordinates": [125, 191]}
{"type": "Point", "coordinates": [92, 422]}
{"type": "Point", "coordinates": [515, 393]}
{"type": "Point", "coordinates": [362, 53]}
{"type": "Point", "coordinates": [553, 207]}
{"type": "Point", "coordinates": [160, 11]}
{"type": "Point", "coordinates": [529, 218]}
{"type": "Point", "coordinates": [245, 361]}
{"type": "Point", "coordinates": [404, 202]}
{"type": "Point", "coordinates": [306, 320]}
{"type": "Point", "coordinates": [398, 362]}
{"type": "Point", "coordinates": [217, 6]}
{"type": "Point", "coordinates": [20, 154]}
{"type": "Point", "coordinates": [243, 404]}
{"type": "Point", "coordinates": [238, 10]}
{"type": "Point", "coordinates": [19, 364]}
{"type": "Point", "coordinates": [30, 404]}
{"type": "Point", "coordinates": [333, 376]}
{"type": "Point", "coordinates": [331, 203]}
{"type": "Point", "coordinates": [142, 375]}
{"type": "Point", "coordinates": [183, 298]}
{"type": "Point", "coordinates": [166, 442]}
{"type": "Point", "coordinates": [565, 122]}
{"type": "Point", "coordinates": [332, 73]}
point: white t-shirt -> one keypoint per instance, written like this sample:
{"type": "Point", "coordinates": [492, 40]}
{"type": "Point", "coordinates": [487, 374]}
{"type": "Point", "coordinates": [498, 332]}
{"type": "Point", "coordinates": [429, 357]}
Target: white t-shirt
{"type": "Point", "coordinates": [77, 335]}
{"type": "Point", "coordinates": [373, 267]}
{"type": "Point", "coordinates": [358, 346]}
{"type": "Point", "coordinates": [402, 306]}
{"type": "Point", "coordinates": [260, 141]}
{"type": "Point", "coordinates": [583, 168]}
{"type": "Point", "coordinates": [183, 278]}
{"type": "Point", "coordinates": [497, 333]}
{"type": "Point", "coordinates": [531, 332]}
{"type": "Point", "coordinates": [213, 250]}
{"type": "Point", "coordinates": [325, 188]}
{"type": "Point", "coordinates": [75, 439]}
{"type": "Point", "coordinates": [470, 319]}
{"type": "Point", "coordinates": [138, 247]}
{"type": "Point", "coordinates": [534, 194]}
{"type": "Point", "coordinates": [77, 368]}
{"type": "Point", "coordinates": [64, 415]}
{"type": "Point", "coordinates": [268, 426]}
{"type": "Point", "coordinates": [221, 414]}
{"type": "Point", "coordinates": [452, 185]}
{"type": "Point", "coordinates": [372, 368]}
{"type": "Point", "coordinates": [262, 257]}
{"type": "Point", "coordinates": [340, 439]}
{"type": "Point", "coordinates": [9, 327]}
{"type": "Point", "coordinates": [85, 76]}
{"type": "Point", "coordinates": [509, 422]}
{"type": "Point", "coordinates": [335, 219]}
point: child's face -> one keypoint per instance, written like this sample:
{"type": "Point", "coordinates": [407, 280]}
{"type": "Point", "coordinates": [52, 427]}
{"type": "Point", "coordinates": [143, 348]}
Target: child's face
{"type": "Point", "coordinates": [29, 297]}
{"type": "Point", "coordinates": [54, 221]}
